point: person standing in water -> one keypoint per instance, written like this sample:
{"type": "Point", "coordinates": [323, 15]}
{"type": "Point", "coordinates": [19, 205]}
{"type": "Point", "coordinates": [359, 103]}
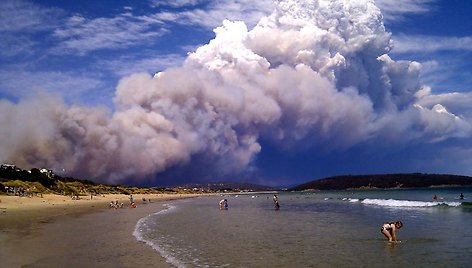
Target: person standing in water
{"type": "Point", "coordinates": [276, 202]}
{"type": "Point", "coordinates": [461, 196]}
{"type": "Point", "coordinates": [389, 229]}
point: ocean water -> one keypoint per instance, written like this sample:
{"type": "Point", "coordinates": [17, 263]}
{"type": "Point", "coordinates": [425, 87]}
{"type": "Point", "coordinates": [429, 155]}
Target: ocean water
{"type": "Point", "coordinates": [321, 229]}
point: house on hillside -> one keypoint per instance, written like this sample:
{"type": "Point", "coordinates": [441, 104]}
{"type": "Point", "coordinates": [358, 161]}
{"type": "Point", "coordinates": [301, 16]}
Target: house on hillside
{"type": "Point", "coordinates": [8, 167]}
{"type": "Point", "coordinates": [47, 172]}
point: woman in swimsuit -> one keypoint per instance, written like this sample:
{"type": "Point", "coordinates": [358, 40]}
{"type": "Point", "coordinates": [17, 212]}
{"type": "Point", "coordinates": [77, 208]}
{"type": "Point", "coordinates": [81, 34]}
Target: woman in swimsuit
{"type": "Point", "coordinates": [389, 230]}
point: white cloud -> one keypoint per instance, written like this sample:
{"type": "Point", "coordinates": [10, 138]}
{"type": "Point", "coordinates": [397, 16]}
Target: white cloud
{"type": "Point", "coordinates": [447, 74]}
{"type": "Point", "coordinates": [151, 64]}
{"type": "Point", "coordinates": [213, 14]}
{"type": "Point", "coordinates": [445, 60]}
{"type": "Point", "coordinates": [437, 74]}
{"type": "Point", "coordinates": [20, 24]}
{"type": "Point", "coordinates": [14, 45]}
{"type": "Point", "coordinates": [396, 10]}
{"type": "Point", "coordinates": [313, 74]}
{"type": "Point", "coordinates": [18, 15]}
{"type": "Point", "coordinates": [174, 3]}
{"type": "Point", "coordinates": [430, 44]}
{"type": "Point", "coordinates": [21, 84]}
{"type": "Point", "coordinates": [82, 35]}
{"type": "Point", "coordinates": [457, 103]}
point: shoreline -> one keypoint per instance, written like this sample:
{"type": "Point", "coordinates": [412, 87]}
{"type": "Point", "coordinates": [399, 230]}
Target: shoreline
{"type": "Point", "coordinates": [56, 231]}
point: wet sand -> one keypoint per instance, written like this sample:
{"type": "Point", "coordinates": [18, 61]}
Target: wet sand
{"type": "Point", "coordinates": [55, 231]}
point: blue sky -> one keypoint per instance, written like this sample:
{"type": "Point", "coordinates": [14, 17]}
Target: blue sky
{"type": "Point", "coordinates": [79, 61]}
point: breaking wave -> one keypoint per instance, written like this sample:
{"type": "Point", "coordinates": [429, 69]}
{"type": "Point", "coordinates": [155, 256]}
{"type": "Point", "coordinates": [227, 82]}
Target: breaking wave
{"type": "Point", "coordinates": [407, 203]}
{"type": "Point", "coordinates": [145, 225]}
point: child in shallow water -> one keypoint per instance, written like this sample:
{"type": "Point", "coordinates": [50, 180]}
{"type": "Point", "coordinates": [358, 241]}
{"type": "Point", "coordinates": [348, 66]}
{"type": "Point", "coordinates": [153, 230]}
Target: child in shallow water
{"type": "Point", "coordinates": [389, 229]}
{"type": "Point", "coordinates": [224, 204]}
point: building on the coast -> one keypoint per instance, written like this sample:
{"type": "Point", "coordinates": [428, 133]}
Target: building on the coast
{"type": "Point", "coordinates": [47, 172]}
{"type": "Point", "coordinates": [8, 167]}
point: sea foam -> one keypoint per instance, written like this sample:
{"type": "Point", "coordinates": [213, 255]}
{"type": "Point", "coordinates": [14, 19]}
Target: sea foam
{"type": "Point", "coordinates": [407, 203]}
{"type": "Point", "coordinates": [141, 227]}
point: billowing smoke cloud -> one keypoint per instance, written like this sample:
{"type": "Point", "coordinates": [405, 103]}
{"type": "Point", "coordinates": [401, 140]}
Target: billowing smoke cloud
{"type": "Point", "coordinates": [313, 74]}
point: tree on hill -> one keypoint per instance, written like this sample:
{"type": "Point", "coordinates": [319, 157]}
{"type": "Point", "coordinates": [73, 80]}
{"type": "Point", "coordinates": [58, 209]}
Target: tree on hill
{"type": "Point", "coordinates": [414, 180]}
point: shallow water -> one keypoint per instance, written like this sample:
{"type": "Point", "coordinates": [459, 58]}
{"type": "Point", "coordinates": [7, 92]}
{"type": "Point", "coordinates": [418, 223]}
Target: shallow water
{"type": "Point", "coordinates": [323, 229]}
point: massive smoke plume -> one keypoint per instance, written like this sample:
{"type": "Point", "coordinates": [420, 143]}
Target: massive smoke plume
{"type": "Point", "coordinates": [312, 74]}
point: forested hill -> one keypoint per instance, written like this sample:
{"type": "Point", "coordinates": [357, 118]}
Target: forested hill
{"type": "Point", "coordinates": [384, 181]}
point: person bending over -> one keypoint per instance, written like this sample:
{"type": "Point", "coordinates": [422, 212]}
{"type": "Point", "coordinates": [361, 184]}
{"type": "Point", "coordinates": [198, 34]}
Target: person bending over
{"type": "Point", "coordinates": [389, 229]}
{"type": "Point", "coordinates": [224, 204]}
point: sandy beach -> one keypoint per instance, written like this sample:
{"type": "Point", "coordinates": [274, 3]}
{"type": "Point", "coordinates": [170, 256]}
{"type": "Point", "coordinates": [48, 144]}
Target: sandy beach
{"type": "Point", "coordinates": [56, 231]}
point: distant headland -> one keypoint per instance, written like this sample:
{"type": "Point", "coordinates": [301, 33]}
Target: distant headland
{"type": "Point", "coordinates": [18, 181]}
{"type": "Point", "coordinates": [39, 181]}
{"type": "Point", "coordinates": [409, 180]}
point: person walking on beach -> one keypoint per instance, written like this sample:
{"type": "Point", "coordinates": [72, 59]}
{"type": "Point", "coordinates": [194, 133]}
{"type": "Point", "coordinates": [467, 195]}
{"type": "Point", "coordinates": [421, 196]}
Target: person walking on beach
{"type": "Point", "coordinates": [389, 229]}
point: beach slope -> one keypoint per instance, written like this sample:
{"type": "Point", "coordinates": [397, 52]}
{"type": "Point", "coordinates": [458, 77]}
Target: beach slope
{"type": "Point", "coordinates": [55, 231]}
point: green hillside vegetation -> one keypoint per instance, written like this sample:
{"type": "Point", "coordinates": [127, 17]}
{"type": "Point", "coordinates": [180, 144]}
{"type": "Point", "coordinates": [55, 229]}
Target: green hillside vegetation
{"type": "Point", "coordinates": [414, 180]}
{"type": "Point", "coordinates": [35, 182]}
